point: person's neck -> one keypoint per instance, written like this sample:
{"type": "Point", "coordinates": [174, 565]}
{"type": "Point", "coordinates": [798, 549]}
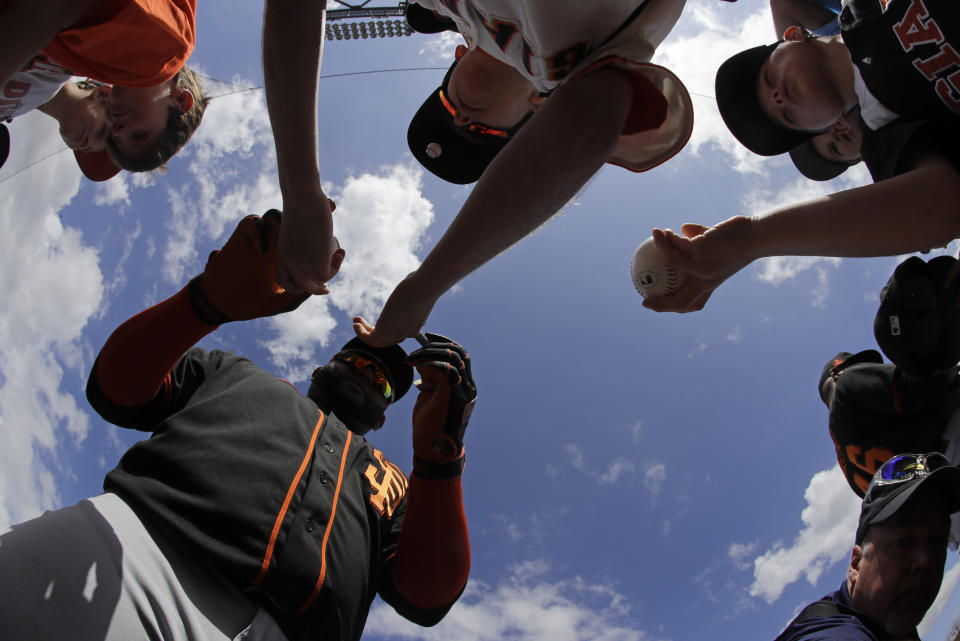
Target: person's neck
{"type": "Point", "coordinates": [840, 69]}
{"type": "Point", "coordinates": [60, 105]}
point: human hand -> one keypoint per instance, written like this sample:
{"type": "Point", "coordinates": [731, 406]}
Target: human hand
{"type": "Point", "coordinates": [404, 313]}
{"type": "Point", "coordinates": [709, 256]}
{"type": "Point", "coordinates": [308, 254]}
{"type": "Point", "coordinates": [443, 408]}
{"type": "Point", "coordinates": [239, 280]}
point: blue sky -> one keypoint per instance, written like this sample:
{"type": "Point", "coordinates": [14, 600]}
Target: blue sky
{"type": "Point", "coordinates": [630, 475]}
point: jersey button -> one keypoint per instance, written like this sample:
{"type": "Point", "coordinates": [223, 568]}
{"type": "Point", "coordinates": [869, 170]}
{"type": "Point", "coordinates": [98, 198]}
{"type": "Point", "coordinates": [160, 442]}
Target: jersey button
{"type": "Point", "coordinates": [328, 447]}
{"type": "Point", "coordinates": [323, 476]}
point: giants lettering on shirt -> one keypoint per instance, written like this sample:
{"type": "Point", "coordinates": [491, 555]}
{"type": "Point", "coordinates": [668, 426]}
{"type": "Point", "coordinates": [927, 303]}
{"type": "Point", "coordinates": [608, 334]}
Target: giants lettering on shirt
{"type": "Point", "coordinates": [943, 67]}
{"type": "Point", "coordinates": [555, 66]}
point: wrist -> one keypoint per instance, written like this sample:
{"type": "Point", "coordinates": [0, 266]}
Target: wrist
{"type": "Point", "coordinates": [202, 308]}
{"type": "Point", "coordinates": [430, 469]}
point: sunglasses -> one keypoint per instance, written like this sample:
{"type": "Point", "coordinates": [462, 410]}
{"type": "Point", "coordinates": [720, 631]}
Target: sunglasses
{"type": "Point", "coordinates": [475, 127]}
{"type": "Point", "coordinates": [360, 362]}
{"type": "Point", "coordinates": [907, 467]}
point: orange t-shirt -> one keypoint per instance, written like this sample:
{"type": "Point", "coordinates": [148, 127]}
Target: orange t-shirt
{"type": "Point", "coordinates": [145, 44]}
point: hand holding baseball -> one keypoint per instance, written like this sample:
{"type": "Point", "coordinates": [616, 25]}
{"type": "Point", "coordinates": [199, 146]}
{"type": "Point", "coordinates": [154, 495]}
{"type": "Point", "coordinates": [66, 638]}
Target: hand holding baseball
{"type": "Point", "coordinates": [708, 255]}
{"type": "Point", "coordinates": [652, 272]}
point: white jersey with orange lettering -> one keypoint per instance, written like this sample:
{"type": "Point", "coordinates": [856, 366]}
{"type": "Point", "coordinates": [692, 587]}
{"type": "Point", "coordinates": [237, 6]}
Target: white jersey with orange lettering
{"type": "Point", "coordinates": [37, 82]}
{"type": "Point", "coordinates": [551, 41]}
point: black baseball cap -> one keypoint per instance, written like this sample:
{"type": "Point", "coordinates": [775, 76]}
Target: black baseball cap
{"type": "Point", "coordinates": [814, 166]}
{"type": "Point", "coordinates": [422, 20]}
{"type": "Point", "coordinates": [918, 321]}
{"type": "Point", "coordinates": [736, 91]}
{"type": "Point", "coordinates": [883, 500]}
{"type": "Point", "coordinates": [391, 359]}
{"type": "Point", "coordinates": [451, 152]}
{"type": "Point", "coordinates": [842, 361]}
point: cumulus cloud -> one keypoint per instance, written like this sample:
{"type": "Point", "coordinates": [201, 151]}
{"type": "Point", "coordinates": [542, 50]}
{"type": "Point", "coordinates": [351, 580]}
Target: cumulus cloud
{"type": "Point", "coordinates": [45, 308]}
{"type": "Point", "coordinates": [654, 476]}
{"type": "Point", "coordinates": [524, 606]}
{"type": "Point", "coordinates": [576, 455]}
{"type": "Point", "coordinates": [830, 521]}
{"type": "Point", "coordinates": [615, 470]}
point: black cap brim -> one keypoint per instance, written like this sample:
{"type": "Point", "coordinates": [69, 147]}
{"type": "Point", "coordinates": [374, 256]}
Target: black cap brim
{"type": "Point", "coordinates": [736, 91]}
{"type": "Point", "coordinates": [392, 359]}
{"type": "Point", "coordinates": [814, 166]}
{"type": "Point", "coordinates": [450, 152]}
{"type": "Point", "coordinates": [946, 480]}
{"type": "Point", "coordinates": [422, 20]}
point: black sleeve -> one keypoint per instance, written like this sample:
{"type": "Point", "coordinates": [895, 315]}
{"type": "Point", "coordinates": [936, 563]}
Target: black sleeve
{"type": "Point", "coordinates": [179, 385]}
{"type": "Point", "coordinates": [898, 146]}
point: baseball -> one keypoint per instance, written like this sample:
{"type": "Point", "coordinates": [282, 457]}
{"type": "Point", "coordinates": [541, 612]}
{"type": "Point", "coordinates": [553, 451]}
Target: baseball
{"type": "Point", "coordinates": [652, 274]}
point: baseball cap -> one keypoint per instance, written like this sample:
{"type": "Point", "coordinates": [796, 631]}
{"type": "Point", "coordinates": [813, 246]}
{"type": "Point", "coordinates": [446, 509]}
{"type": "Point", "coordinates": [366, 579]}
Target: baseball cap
{"type": "Point", "coordinates": [842, 361]}
{"type": "Point", "coordinates": [97, 166]}
{"type": "Point", "coordinates": [456, 154]}
{"type": "Point", "coordinates": [899, 478]}
{"type": "Point", "coordinates": [422, 20]}
{"type": "Point", "coordinates": [391, 359]}
{"type": "Point", "coordinates": [736, 91]}
{"type": "Point", "coordinates": [918, 321]}
{"type": "Point", "coordinates": [814, 166]}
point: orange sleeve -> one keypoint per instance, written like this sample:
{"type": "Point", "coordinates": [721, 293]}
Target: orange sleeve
{"type": "Point", "coordinates": [432, 562]}
{"type": "Point", "coordinates": [143, 45]}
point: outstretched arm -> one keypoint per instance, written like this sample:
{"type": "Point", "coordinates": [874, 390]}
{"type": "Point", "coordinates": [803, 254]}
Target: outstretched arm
{"type": "Point", "coordinates": [238, 283]}
{"type": "Point", "coordinates": [914, 211]}
{"type": "Point", "coordinates": [432, 562]}
{"type": "Point", "coordinates": [569, 138]}
{"type": "Point", "coordinates": [292, 50]}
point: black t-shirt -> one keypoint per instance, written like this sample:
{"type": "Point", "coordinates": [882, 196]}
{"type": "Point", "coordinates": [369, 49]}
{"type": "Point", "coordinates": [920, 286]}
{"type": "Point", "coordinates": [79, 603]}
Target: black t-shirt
{"type": "Point", "coordinates": [246, 472]}
{"type": "Point", "coordinates": [907, 54]}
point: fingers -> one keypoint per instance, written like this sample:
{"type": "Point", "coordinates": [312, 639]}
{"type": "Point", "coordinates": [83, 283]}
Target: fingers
{"type": "Point", "coordinates": [691, 230]}
{"type": "Point", "coordinates": [437, 372]}
{"type": "Point", "coordinates": [690, 298]}
{"type": "Point", "coordinates": [362, 328]}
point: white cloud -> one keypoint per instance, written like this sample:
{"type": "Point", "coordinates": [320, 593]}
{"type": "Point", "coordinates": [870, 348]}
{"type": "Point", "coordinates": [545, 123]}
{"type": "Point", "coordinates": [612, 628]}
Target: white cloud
{"type": "Point", "coordinates": [525, 606]}
{"type": "Point", "coordinates": [830, 522]}
{"type": "Point", "coordinates": [380, 221]}
{"type": "Point", "coordinates": [113, 192]}
{"type": "Point", "coordinates": [52, 286]}
{"type": "Point", "coordinates": [635, 431]}
{"type": "Point", "coordinates": [439, 48]}
{"type": "Point", "coordinates": [576, 455]}
{"type": "Point", "coordinates": [654, 476]}
{"type": "Point", "coordinates": [738, 553]}
{"type": "Point", "coordinates": [735, 335]}
{"type": "Point", "coordinates": [615, 470]}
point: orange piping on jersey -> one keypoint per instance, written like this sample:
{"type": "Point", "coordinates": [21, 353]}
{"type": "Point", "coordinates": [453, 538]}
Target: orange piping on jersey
{"type": "Point", "coordinates": [326, 534]}
{"type": "Point", "coordinates": [268, 555]}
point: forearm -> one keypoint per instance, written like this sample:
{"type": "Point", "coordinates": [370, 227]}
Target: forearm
{"type": "Point", "coordinates": [433, 555]}
{"type": "Point", "coordinates": [915, 211]}
{"type": "Point", "coordinates": [292, 50]}
{"type": "Point", "coordinates": [138, 355]}
{"type": "Point", "coordinates": [543, 167]}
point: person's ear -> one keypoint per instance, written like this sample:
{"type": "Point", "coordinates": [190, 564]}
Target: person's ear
{"type": "Point", "coordinates": [460, 52]}
{"type": "Point", "coordinates": [795, 34]}
{"type": "Point", "coordinates": [853, 570]}
{"type": "Point", "coordinates": [183, 99]}
{"type": "Point", "coordinates": [842, 126]}
{"type": "Point", "coordinates": [536, 99]}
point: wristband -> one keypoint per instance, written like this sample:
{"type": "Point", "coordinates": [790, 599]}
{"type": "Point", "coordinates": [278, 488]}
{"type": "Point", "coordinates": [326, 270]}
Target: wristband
{"type": "Point", "coordinates": [434, 470]}
{"type": "Point", "coordinates": [202, 306]}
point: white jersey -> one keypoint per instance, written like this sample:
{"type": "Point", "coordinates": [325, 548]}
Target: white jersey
{"type": "Point", "coordinates": [36, 83]}
{"type": "Point", "coordinates": [551, 41]}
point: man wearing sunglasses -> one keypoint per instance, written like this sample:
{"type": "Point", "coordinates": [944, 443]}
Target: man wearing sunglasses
{"type": "Point", "coordinates": [253, 511]}
{"type": "Point", "coordinates": [897, 562]}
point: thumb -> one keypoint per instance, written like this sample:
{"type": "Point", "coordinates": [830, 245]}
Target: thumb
{"type": "Point", "coordinates": [691, 230]}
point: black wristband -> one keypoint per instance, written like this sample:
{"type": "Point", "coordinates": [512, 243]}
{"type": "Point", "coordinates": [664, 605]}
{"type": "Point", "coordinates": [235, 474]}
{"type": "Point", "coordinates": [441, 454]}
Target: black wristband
{"type": "Point", "coordinates": [202, 306]}
{"type": "Point", "coordinates": [434, 470]}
